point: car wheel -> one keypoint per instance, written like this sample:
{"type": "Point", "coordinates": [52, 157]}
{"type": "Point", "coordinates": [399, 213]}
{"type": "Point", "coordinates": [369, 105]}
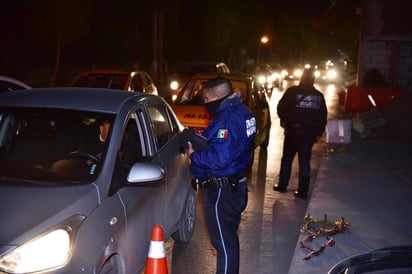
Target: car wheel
{"type": "Point", "coordinates": [114, 265]}
{"type": "Point", "coordinates": [187, 220]}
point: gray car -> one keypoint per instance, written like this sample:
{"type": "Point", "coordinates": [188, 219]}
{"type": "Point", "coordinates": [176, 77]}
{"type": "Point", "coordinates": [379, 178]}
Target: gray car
{"type": "Point", "coordinates": [70, 203]}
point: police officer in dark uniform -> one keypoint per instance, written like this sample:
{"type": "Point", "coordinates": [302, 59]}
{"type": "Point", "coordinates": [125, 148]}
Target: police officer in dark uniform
{"type": "Point", "coordinates": [220, 168]}
{"type": "Point", "coordinates": [303, 115]}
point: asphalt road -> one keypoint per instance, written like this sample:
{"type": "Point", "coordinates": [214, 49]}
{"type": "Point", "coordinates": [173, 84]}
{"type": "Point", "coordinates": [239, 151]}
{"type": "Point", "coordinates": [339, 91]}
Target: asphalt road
{"type": "Point", "coordinates": [271, 223]}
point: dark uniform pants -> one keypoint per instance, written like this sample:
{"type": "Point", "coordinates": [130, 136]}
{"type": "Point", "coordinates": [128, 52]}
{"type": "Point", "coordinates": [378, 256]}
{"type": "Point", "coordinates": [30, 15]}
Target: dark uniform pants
{"type": "Point", "coordinates": [223, 208]}
{"type": "Point", "coordinates": [298, 141]}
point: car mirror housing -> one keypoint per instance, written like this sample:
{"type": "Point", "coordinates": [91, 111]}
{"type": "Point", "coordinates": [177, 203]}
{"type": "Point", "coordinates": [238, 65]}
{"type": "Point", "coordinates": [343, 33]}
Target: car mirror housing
{"type": "Point", "coordinates": [144, 173]}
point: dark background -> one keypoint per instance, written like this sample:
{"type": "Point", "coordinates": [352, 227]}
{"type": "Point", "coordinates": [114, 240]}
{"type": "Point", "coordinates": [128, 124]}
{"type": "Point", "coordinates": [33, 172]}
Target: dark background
{"type": "Point", "coordinates": [49, 42]}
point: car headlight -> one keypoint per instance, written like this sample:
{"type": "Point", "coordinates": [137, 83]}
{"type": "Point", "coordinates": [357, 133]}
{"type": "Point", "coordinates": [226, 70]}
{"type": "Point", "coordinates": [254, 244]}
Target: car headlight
{"type": "Point", "coordinates": [297, 73]}
{"type": "Point", "coordinates": [49, 251]}
{"type": "Point", "coordinates": [174, 85]}
{"type": "Point", "coordinates": [262, 79]}
{"type": "Point", "coordinates": [332, 74]}
{"type": "Point", "coordinates": [274, 76]}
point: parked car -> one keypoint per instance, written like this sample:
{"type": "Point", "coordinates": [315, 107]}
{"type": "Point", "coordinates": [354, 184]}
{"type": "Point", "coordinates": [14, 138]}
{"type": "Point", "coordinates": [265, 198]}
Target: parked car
{"type": "Point", "coordinates": [193, 68]}
{"type": "Point", "coordinates": [191, 111]}
{"type": "Point", "coordinates": [139, 80]}
{"type": "Point", "coordinates": [10, 84]}
{"type": "Point", "coordinates": [73, 204]}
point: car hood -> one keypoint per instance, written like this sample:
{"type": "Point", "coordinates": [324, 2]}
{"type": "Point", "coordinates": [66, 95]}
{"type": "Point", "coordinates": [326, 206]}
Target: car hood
{"type": "Point", "coordinates": [27, 211]}
{"type": "Point", "coordinates": [195, 116]}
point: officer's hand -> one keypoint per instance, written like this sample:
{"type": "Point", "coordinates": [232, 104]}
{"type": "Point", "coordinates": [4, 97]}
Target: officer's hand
{"type": "Point", "coordinates": [189, 149]}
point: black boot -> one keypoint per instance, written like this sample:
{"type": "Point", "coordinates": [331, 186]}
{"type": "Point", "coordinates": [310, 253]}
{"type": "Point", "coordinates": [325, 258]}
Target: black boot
{"type": "Point", "coordinates": [283, 181]}
{"type": "Point", "coordinates": [279, 188]}
{"type": "Point", "coordinates": [303, 188]}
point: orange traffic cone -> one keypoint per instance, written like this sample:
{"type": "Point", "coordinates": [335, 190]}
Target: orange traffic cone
{"type": "Point", "coordinates": [156, 259]}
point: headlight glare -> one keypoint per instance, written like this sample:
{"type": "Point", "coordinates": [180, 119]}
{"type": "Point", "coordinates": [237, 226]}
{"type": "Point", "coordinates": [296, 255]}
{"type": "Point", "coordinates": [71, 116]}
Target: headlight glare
{"type": "Point", "coordinates": [262, 79]}
{"type": "Point", "coordinates": [49, 251]}
{"type": "Point", "coordinates": [332, 74]}
{"type": "Point", "coordinates": [297, 73]}
{"type": "Point", "coordinates": [174, 85]}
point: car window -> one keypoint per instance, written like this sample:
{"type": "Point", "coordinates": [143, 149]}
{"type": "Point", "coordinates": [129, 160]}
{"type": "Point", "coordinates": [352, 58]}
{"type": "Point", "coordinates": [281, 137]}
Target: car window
{"type": "Point", "coordinates": [146, 80]}
{"type": "Point", "coordinates": [240, 87]}
{"type": "Point", "coordinates": [161, 124]}
{"type": "Point", "coordinates": [47, 145]}
{"type": "Point", "coordinates": [131, 151]}
{"type": "Point", "coordinates": [192, 93]}
{"type": "Point", "coordinates": [137, 84]}
{"type": "Point", "coordinates": [259, 98]}
{"type": "Point", "coordinates": [118, 81]}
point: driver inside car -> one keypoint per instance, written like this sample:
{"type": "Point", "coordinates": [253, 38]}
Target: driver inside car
{"type": "Point", "coordinates": [104, 128]}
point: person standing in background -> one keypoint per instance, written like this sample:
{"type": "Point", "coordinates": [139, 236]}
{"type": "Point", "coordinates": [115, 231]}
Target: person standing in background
{"type": "Point", "coordinates": [303, 115]}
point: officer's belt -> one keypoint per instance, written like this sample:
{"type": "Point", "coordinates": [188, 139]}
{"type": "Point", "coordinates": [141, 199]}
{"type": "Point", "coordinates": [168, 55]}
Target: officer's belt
{"type": "Point", "coordinates": [223, 181]}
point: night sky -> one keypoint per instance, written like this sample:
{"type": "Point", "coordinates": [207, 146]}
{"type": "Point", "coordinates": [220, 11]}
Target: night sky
{"type": "Point", "coordinates": [111, 34]}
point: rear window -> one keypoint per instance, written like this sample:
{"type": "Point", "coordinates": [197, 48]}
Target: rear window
{"type": "Point", "coordinates": [192, 93]}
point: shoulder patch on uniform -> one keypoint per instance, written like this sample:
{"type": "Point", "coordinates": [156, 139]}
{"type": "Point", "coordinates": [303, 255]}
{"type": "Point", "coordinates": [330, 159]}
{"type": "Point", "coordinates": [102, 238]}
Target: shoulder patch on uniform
{"type": "Point", "coordinates": [251, 126]}
{"type": "Point", "coordinates": [222, 134]}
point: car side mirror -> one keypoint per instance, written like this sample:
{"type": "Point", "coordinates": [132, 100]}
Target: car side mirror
{"type": "Point", "coordinates": [144, 173]}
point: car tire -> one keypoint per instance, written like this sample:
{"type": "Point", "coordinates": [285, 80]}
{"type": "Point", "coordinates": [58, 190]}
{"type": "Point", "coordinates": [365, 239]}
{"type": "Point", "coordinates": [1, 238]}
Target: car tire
{"type": "Point", "coordinates": [114, 265]}
{"type": "Point", "coordinates": [187, 219]}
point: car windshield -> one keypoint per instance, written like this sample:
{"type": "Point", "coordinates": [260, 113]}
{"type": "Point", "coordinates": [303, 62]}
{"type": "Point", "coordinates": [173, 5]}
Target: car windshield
{"type": "Point", "coordinates": [50, 146]}
{"type": "Point", "coordinates": [102, 80]}
{"type": "Point", "coordinates": [192, 92]}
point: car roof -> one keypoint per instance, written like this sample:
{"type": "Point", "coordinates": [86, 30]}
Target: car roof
{"type": "Point", "coordinates": [87, 99]}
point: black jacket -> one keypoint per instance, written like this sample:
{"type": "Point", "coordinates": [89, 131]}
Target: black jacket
{"type": "Point", "coordinates": [303, 107]}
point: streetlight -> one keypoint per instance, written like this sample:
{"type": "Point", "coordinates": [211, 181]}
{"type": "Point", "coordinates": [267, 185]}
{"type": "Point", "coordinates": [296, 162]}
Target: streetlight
{"type": "Point", "coordinates": [263, 41]}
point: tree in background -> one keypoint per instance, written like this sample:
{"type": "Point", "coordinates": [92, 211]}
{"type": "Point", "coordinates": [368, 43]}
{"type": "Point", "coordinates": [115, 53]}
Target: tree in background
{"type": "Point", "coordinates": [344, 25]}
{"type": "Point", "coordinates": [58, 24]}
